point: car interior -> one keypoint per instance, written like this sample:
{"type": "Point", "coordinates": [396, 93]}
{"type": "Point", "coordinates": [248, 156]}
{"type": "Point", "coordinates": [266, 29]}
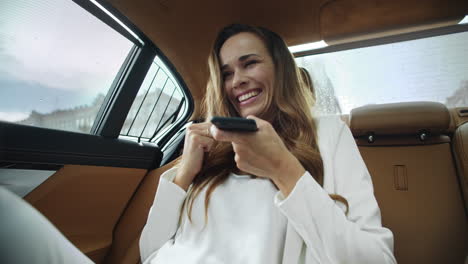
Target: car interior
{"type": "Point", "coordinates": [102, 183]}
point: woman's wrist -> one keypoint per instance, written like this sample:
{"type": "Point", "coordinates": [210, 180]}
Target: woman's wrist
{"type": "Point", "coordinates": [181, 179]}
{"type": "Point", "coordinates": [290, 171]}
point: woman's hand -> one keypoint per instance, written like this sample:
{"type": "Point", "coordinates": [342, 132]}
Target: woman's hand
{"type": "Point", "coordinates": [263, 154]}
{"type": "Point", "coordinates": [198, 140]}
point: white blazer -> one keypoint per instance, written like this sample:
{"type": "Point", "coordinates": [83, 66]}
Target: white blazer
{"type": "Point", "coordinates": [317, 229]}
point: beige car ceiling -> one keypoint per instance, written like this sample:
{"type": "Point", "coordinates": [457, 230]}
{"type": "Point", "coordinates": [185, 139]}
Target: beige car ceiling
{"type": "Point", "coordinates": [184, 29]}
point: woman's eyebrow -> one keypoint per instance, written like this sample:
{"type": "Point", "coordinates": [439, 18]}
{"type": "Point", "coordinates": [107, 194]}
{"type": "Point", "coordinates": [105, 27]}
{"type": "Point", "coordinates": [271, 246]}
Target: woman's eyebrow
{"type": "Point", "coordinates": [245, 57]}
{"type": "Point", "coordinates": [241, 58]}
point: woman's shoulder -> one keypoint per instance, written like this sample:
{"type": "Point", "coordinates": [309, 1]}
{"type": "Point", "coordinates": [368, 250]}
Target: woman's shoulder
{"type": "Point", "coordinates": [329, 125]}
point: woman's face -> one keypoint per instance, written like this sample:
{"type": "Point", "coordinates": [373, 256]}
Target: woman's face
{"type": "Point", "coordinates": [248, 73]}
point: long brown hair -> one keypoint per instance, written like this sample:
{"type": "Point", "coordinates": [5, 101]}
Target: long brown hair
{"type": "Point", "coordinates": [291, 101]}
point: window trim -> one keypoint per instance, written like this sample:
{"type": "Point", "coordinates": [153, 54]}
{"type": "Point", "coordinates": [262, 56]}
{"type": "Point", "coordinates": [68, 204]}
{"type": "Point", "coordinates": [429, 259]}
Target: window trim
{"type": "Point", "coordinates": [23, 146]}
{"type": "Point", "coordinates": [102, 16]}
{"type": "Point", "coordinates": [459, 28]}
{"type": "Point", "coordinates": [124, 89]}
{"type": "Point", "coordinates": [123, 92]}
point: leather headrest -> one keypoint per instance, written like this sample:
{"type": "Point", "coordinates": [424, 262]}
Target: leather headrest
{"type": "Point", "coordinates": [400, 119]}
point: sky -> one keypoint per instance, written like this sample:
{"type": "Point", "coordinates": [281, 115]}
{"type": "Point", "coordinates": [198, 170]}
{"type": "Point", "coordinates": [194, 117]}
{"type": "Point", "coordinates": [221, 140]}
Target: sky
{"type": "Point", "coordinates": [54, 55]}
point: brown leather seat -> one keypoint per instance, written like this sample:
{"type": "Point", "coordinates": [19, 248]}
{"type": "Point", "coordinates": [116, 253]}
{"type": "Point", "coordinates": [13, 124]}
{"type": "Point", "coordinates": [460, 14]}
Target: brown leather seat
{"type": "Point", "coordinates": [460, 149]}
{"type": "Point", "coordinates": [408, 153]}
{"type": "Point", "coordinates": [125, 245]}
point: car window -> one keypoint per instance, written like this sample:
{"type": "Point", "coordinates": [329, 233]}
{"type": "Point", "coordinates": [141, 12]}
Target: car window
{"type": "Point", "coordinates": [160, 103]}
{"type": "Point", "coordinates": [58, 62]}
{"type": "Point", "coordinates": [429, 69]}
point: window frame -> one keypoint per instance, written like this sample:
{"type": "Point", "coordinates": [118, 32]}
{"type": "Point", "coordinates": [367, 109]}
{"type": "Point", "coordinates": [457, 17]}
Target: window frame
{"type": "Point", "coordinates": [182, 111]}
{"type": "Point", "coordinates": [123, 91]}
{"type": "Point", "coordinates": [458, 28]}
{"type": "Point", "coordinates": [30, 147]}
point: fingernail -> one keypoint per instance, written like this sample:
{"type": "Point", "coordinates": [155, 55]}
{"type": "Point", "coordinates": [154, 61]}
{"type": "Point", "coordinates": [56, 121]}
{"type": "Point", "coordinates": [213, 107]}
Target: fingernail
{"type": "Point", "coordinates": [212, 130]}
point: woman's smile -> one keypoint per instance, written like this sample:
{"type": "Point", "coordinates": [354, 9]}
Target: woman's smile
{"type": "Point", "coordinates": [249, 97]}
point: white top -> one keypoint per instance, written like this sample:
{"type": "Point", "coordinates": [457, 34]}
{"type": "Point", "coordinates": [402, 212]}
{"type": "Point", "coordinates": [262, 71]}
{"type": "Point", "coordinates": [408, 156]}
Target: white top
{"type": "Point", "coordinates": [249, 220]}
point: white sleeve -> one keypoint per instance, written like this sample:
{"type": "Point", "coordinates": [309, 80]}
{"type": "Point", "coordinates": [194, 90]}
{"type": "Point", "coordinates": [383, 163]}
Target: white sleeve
{"type": "Point", "coordinates": [163, 217]}
{"type": "Point", "coordinates": [329, 234]}
{"type": "Point", "coordinates": [27, 236]}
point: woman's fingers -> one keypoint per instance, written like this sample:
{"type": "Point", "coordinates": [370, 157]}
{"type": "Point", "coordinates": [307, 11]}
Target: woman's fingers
{"type": "Point", "coordinates": [203, 128]}
{"type": "Point", "coordinates": [241, 157]}
{"type": "Point", "coordinates": [199, 138]}
{"type": "Point", "coordinates": [231, 136]}
{"type": "Point", "coordinates": [206, 143]}
{"type": "Point", "coordinates": [197, 141]}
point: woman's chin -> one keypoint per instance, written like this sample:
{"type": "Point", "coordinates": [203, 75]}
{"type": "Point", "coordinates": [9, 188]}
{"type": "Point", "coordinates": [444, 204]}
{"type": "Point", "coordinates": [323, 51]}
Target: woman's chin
{"type": "Point", "coordinates": [253, 111]}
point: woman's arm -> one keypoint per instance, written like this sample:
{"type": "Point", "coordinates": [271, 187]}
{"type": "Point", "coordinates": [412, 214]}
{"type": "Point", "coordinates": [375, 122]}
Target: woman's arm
{"type": "Point", "coordinates": [329, 234]}
{"type": "Point", "coordinates": [163, 217]}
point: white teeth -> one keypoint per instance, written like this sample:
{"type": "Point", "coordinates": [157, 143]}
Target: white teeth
{"type": "Point", "coordinates": [247, 96]}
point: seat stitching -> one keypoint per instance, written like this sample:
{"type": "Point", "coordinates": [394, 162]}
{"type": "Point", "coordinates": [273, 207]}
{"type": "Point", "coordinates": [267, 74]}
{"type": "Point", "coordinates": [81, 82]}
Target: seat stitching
{"type": "Point", "coordinates": [464, 159]}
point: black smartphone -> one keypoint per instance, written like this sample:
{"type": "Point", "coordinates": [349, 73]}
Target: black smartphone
{"type": "Point", "coordinates": [237, 124]}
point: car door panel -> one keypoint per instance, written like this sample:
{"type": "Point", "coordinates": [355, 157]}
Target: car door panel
{"type": "Point", "coordinates": [86, 202]}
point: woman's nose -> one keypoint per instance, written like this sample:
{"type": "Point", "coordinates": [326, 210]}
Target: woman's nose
{"type": "Point", "coordinates": [239, 79]}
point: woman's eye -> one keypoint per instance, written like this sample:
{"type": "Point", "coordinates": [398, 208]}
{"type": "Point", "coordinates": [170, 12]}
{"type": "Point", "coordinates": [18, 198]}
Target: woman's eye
{"type": "Point", "coordinates": [252, 62]}
{"type": "Point", "coordinates": [226, 75]}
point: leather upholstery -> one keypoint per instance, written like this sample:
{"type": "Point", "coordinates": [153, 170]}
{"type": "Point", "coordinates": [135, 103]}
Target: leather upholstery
{"type": "Point", "coordinates": [344, 19]}
{"type": "Point", "coordinates": [459, 117]}
{"type": "Point", "coordinates": [460, 149]}
{"type": "Point", "coordinates": [415, 181]}
{"type": "Point", "coordinates": [427, 217]}
{"type": "Point", "coordinates": [86, 202]}
{"type": "Point", "coordinates": [125, 245]}
{"type": "Point", "coordinates": [400, 119]}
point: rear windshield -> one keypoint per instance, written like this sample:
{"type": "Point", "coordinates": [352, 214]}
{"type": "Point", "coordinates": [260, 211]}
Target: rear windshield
{"type": "Point", "coordinates": [429, 69]}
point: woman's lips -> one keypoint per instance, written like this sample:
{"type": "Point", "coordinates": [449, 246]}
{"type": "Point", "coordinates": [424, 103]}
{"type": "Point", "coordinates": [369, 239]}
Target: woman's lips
{"type": "Point", "coordinates": [253, 97]}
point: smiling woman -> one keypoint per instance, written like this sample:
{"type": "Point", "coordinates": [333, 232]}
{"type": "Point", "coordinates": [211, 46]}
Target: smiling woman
{"type": "Point", "coordinates": [269, 196]}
